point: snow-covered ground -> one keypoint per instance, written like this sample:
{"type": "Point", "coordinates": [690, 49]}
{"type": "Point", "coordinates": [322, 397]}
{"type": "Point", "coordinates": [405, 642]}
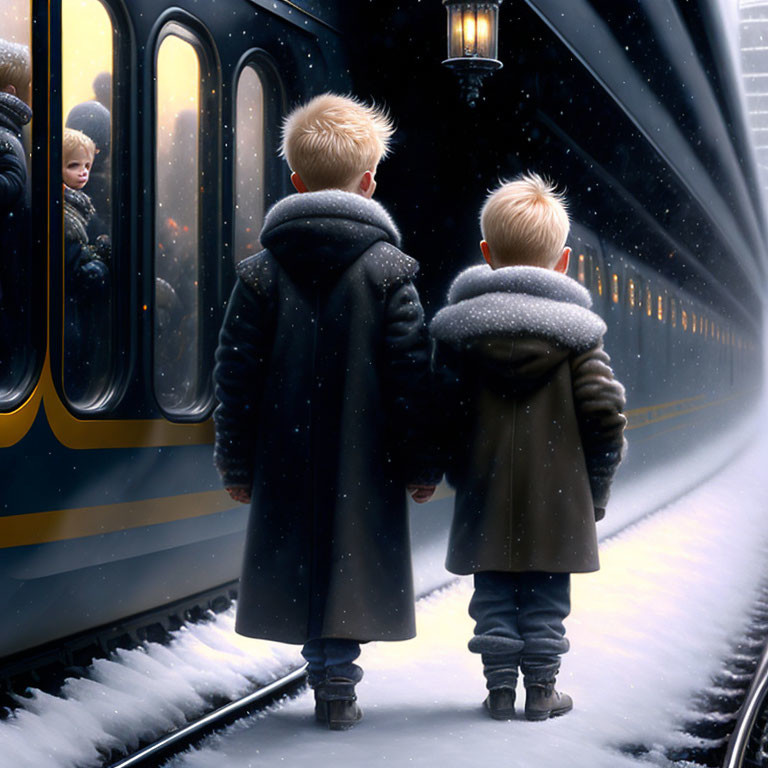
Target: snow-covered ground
{"type": "Point", "coordinates": [139, 695]}
{"type": "Point", "coordinates": [646, 632]}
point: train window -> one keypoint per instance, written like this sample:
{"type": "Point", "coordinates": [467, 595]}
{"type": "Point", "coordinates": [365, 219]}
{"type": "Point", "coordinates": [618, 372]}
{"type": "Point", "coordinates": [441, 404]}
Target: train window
{"type": "Point", "coordinates": [684, 320]}
{"type": "Point", "coordinates": [598, 280]}
{"type": "Point", "coordinates": [22, 305]}
{"type": "Point", "coordinates": [581, 271]}
{"type": "Point", "coordinates": [249, 166]}
{"type": "Point", "coordinates": [178, 378]}
{"type": "Point", "coordinates": [615, 288]}
{"type": "Point", "coordinates": [673, 312]}
{"type": "Point", "coordinates": [693, 322]}
{"type": "Point", "coordinates": [648, 301]}
{"type": "Point", "coordinates": [660, 308]}
{"type": "Point", "coordinates": [89, 324]}
{"type": "Point", "coordinates": [631, 293]}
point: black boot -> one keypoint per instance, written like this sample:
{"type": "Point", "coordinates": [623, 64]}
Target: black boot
{"type": "Point", "coordinates": [336, 703]}
{"type": "Point", "coordinates": [500, 703]}
{"type": "Point", "coordinates": [542, 701]}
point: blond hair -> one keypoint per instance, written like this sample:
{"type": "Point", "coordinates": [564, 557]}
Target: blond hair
{"type": "Point", "coordinates": [331, 140]}
{"type": "Point", "coordinates": [15, 68]}
{"type": "Point", "coordinates": [72, 140]}
{"type": "Point", "coordinates": [525, 221]}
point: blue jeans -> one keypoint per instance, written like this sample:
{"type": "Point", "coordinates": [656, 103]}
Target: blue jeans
{"type": "Point", "coordinates": [519, 623]}
{"type": "Point", "coordinates": [331, 657]}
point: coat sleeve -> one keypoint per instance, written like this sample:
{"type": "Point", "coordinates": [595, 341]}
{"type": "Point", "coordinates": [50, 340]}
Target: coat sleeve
{"type": "Point", "coordinates": [600, 402]}
{"type": "Point", "coordinates": [406, 344]}
{"type": "Point", "coordinates": [239, 375]}
{"type": "Point", "coordinates": [13, 177]}
{"type": "Point", "coordinates": [450, 412]}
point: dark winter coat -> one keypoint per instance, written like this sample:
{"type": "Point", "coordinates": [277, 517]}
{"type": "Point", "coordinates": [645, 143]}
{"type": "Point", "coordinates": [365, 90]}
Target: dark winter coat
{"type": "Point", "coordinates": [535, 415]}
{"type": "Point", "coordinates": [321, 377]}
{"type": "Point", "coordinates": [86, 303]}
{"type": "Point", "coordinates": [16, 241]}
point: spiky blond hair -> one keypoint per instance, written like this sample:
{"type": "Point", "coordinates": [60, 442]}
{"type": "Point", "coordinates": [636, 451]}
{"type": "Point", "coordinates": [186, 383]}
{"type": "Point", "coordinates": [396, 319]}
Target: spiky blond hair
{"type": "Point", "coordinates": [15, 68]}
{"type": "Point", "coordinates": [525, 221]}
{"type": "Point", "coordinates": [72, 140]}
{"type": "Point", "coordinates": [331, 140]}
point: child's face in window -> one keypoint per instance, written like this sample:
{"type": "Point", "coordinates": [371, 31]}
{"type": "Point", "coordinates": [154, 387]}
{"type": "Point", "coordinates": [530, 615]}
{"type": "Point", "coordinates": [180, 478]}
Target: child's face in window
{"type": "Point", "coordinates": [77, 169]}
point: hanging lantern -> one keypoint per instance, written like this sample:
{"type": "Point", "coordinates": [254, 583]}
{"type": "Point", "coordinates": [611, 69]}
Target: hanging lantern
{"type": "Point", "coordinates": [473, 43]}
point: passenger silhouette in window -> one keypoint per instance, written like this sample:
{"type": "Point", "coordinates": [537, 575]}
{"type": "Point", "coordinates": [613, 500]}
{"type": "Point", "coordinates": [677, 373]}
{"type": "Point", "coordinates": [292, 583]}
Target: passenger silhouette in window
{"type": "Point", "coordinates": [86, 281]}
{"type": "Point", "coordinates": [15, 235]}
{"type": "Point", "coordinates": [93, 119]}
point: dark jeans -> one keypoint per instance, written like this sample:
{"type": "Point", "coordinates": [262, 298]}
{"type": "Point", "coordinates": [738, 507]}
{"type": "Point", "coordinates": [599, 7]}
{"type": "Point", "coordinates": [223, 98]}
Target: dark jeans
{"type": "Point", "coordinates": [331, 657]}
{"type": "Point", "coordinates": [519, 623]}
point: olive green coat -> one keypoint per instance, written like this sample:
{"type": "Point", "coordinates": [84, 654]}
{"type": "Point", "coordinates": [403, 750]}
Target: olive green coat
{"type": "Point", "coordinates": [536, 425]}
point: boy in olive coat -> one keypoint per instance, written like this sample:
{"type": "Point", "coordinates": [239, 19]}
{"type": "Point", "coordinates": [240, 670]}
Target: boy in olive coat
{"type": "Point", "coordinates": [536, 434]}
{"type": "Point", "coordinates": [322, 376]}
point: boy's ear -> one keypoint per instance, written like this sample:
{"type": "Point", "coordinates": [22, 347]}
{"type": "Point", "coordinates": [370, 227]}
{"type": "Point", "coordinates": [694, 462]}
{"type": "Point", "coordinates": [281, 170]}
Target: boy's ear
{"type": "Point", "coordinates": [9, 89]}
{"type": "Point", "coordinates": [298, 183]}
{"type": "Point", "coordinates": [562, 262]}
{"type": "Point", "coordinates": [486, 252]}
{"type": "Point", "coordinates": [367, 185]}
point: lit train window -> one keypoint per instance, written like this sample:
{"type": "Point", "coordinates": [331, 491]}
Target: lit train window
{"type": "Point", "coordinates": [693, 322]}
{"type": "Point", "coordinates": [179, 377]}
{"type": "Point", "coordinates": [660, 308]}
{"type": "Point", "coordinates": [648, 301]}
{"type": "Point", "coordinates": [684, 320]}
{"type": "Point", "coordinates": [22, 303]}
{"type": "Point", "coordinates": [673, 312]}
{"type": "Point", "coordinates": [615, 288]}
{"type": "Point", "coordinates": [599, 280]}
{"type": "Point", "coordinates": [581, 273]}
{"type": "Point", "coordinates": [86, 91]}
{"type": "Point", "coordinates": [249, 163]}
{"type": "Point", "coordinates": [631, 293]}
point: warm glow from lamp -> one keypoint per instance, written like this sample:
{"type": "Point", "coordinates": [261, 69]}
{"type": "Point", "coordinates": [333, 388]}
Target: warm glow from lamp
{"type": "Point", "coordinates": [483, 34]}
{"type": "Point", "coordinates": [470, 44]}
{"type": "Point", "coordinates": [86, 43]}
{"type": "Point", "coordinates": [178, 85]}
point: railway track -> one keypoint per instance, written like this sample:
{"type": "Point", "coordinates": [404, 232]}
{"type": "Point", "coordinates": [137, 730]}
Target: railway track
{"type": "Point", "coordinates": [163, 749]}
{"type": "Point", "coordinates": [748, 746]}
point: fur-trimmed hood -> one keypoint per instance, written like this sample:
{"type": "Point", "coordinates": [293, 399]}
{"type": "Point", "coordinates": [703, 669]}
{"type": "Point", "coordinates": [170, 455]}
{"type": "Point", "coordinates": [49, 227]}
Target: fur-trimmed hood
{"type": "Point", "coordinates": [317, 233]}
{"type": "Point", "coordinates": [518, 302]}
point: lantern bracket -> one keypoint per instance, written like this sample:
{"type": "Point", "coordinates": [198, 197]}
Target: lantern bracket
{"type": "Point", "coordinates": [470, 71]}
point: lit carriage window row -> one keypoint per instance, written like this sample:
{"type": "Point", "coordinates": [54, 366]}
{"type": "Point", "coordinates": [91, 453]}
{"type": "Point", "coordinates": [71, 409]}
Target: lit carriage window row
{"type": "Point", "coordinates": [177, 322]}
{"type": "Point", "coordinates": [636, 297]}
{"type": "Point", "coordinates": [89, 253]}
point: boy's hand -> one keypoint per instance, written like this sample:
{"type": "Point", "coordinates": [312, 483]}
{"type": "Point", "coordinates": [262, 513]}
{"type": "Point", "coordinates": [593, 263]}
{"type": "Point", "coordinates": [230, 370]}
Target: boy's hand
{"type": "Point", "coordinates": [243, 495]}
{"type": "Point", "coordinates": [420, 493]}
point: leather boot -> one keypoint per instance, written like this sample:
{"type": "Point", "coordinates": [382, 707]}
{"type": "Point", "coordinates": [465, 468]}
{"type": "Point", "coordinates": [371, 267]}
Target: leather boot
{"type": "Point", "coordinates": [336, 704]}
{"type": "Point", "coordinates": [542, 701]}
{"type": "Point", "coordinates": [500, 703]}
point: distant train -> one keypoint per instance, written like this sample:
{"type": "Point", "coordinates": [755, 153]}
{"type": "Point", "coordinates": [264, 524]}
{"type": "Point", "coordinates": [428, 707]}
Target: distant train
{"type": "Point", "coordinates": [110, 508]}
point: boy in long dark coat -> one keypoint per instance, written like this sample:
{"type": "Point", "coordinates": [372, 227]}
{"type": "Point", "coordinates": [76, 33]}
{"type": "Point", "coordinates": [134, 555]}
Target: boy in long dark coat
{"type": "Point", "coordinates": [322, 372]}
{"type": "Point", "coordinates": [536, 434]}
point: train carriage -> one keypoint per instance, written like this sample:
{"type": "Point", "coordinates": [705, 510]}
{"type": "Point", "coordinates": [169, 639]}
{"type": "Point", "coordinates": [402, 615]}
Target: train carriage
{"type": "Point", "coordinates": [112, 514]}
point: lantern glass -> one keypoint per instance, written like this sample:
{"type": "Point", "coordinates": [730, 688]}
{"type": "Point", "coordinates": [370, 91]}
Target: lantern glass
{"type": "Point", "coordinates": [473, 30]}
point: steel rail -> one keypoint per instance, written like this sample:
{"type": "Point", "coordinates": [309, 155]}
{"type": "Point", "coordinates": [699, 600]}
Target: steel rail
{"type": "Point", "coordinates": [160, 751]}
{"type": "Point", "coordinates": [755, 699]}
